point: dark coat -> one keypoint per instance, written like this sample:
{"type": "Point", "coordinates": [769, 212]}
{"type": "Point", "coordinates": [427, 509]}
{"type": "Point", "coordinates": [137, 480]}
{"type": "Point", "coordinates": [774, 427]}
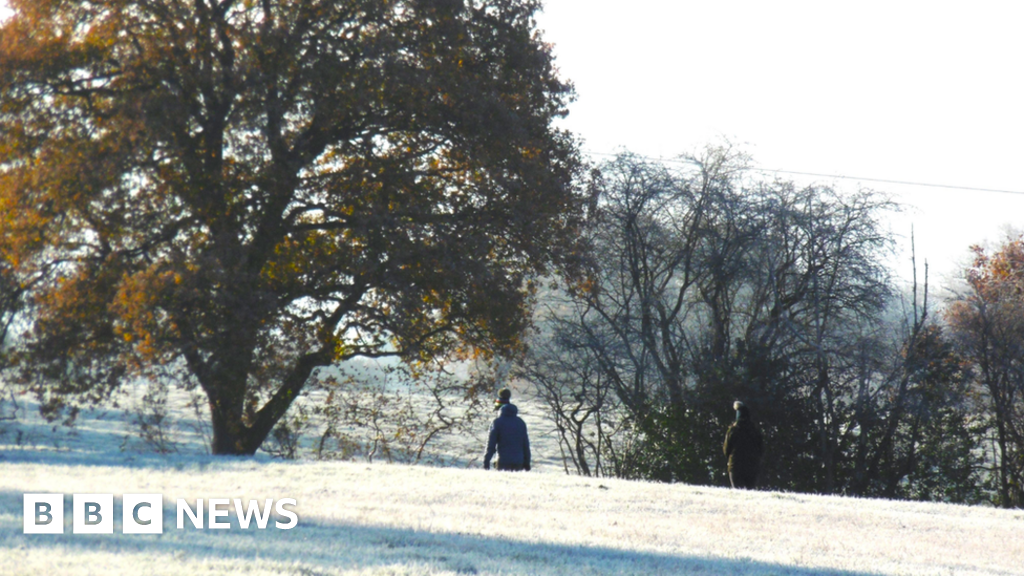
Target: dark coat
{"type": "Point", "coordinates": [744, 446]}
{"type": "Point", "coordinates": [509, 439]}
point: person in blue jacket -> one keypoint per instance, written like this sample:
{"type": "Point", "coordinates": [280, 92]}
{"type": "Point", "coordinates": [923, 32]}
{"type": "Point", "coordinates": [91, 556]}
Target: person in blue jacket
{"type": "Point", "coordinates": [510, 440]}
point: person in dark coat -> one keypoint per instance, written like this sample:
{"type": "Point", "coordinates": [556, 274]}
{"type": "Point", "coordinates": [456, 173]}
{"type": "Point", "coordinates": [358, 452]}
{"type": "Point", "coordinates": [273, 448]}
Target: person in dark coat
{"type": "Point", "coordinates": [510, 440]}
{"type": "Point", "coordinates": [744, 446]}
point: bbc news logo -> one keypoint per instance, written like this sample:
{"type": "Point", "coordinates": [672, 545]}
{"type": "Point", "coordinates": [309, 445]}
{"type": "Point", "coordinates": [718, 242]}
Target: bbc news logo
{"type": "Point", "coordinates": [144, 513]}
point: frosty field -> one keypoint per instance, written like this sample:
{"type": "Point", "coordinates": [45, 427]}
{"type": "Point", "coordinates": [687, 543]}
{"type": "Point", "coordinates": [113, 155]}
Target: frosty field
{"type": "Point", "coordinates": [360, 518]}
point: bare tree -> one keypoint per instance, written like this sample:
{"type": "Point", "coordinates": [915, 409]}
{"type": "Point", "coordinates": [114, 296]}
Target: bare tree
{"type": "Point", "coordinates": [706, 286]}
{"type": "Point", "coordinates": [565, 368]}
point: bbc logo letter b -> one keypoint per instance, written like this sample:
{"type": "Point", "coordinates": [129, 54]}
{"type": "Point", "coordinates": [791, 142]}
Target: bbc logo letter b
{"type": "Point", "coordinates": [44, 514]}
{"type": "Point", "coordinates": [92, 513]}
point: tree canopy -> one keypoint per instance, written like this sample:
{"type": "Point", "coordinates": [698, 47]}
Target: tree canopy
{"type": "Point", "coordinates": [239, 192]}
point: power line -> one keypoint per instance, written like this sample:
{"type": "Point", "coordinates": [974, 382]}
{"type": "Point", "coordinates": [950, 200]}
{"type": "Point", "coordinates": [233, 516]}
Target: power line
{"type": "Point", "coordinates": [843, 177]}
{"type": "Point", "coordinates": [885, 181]}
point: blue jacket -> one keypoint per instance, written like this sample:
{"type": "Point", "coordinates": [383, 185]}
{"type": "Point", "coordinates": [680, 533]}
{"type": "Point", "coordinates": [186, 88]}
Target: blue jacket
{"type": "Point", "coordinates": [509, 438]}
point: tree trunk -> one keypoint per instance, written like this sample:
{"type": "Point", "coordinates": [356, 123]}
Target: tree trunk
{"type": "Point", "coordinates": [232, 435]}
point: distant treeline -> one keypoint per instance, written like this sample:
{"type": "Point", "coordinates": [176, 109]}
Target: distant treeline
{"type": "Point", "coordinates": [705, 286]}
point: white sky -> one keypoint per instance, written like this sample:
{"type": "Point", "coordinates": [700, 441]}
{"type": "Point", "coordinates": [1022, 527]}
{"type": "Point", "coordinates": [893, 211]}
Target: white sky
{"type": "Point", "coordinates": [926, 92]}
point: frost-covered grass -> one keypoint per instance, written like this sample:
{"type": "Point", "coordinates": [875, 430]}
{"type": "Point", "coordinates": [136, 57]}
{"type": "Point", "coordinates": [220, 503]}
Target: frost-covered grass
{"type": "Point", "coordinates": [361, 518]}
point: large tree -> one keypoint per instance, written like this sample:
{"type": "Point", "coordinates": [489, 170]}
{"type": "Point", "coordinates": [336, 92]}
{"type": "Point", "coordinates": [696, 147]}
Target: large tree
{"type": "Point", "coordinates": [241, 191]}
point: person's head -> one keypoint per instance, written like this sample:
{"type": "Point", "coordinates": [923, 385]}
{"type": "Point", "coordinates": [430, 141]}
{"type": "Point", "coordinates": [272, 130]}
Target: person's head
{"type": "Point", "coordinates": [504, 398]}
{"type": "Point", "coordinates": [742, 412]}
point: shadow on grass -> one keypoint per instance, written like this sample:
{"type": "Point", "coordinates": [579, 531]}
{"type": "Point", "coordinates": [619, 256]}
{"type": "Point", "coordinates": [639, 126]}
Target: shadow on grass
{"type": "Point", "coordinates": [324, 548]}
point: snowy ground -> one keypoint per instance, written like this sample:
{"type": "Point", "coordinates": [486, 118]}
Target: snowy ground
{"type": "Point", "coordinates": [360, 518]}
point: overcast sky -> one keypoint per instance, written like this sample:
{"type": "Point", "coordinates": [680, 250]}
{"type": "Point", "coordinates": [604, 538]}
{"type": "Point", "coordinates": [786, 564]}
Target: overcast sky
{"type": "Point", "coordinates": [928, 92]}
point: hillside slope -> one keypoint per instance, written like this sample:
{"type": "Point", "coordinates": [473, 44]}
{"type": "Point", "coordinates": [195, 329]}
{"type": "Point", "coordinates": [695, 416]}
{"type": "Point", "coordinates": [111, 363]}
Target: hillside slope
{"type": "Point", "coordinates": [357, 518]}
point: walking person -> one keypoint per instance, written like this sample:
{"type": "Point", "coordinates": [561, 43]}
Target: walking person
{"type": "Point", "coordinates": [744, 447]}
{"type": "Point", "coordinates": [510, 440]}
